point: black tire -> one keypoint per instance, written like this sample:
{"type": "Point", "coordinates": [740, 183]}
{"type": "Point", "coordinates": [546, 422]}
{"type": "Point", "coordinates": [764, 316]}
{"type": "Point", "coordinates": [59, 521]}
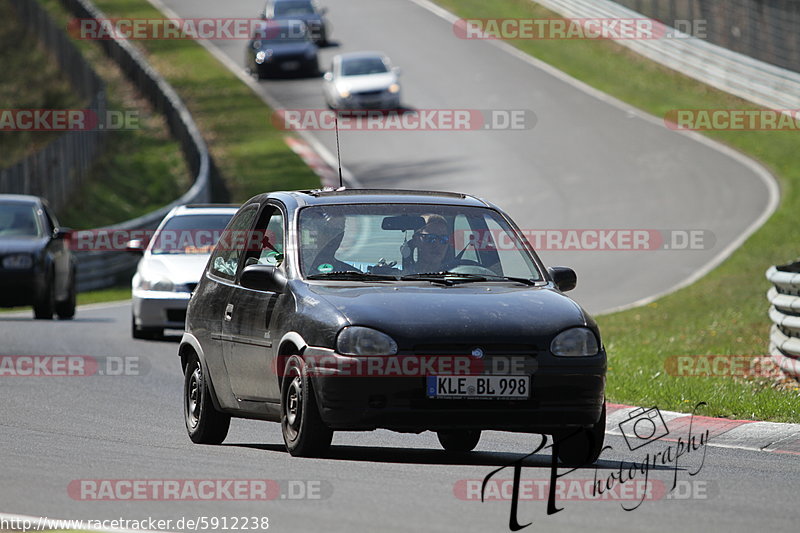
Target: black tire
{"type": "Point", "coordinates": [460, 440]}
{"type": "Point", "coordinates": [45, 304]}
{"type": "Point", "coordinates": [145, 333]}
{"type": "Point", "coordinates": [66, 309]}
{"type": "Point", "coordinates": [204, 423]}
{"type": "Point", "coordinates": [582, 447]}
{"type": "Point", "coordinates": [304, 432]}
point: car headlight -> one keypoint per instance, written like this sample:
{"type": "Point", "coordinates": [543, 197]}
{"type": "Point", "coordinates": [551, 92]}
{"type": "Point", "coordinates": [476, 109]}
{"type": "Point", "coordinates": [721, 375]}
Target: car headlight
{"type": "Point", "coordinates": [575, 342]}
{"type": "Point", "coordinates": [358, 340]}
{"type": "Point", "coordinates": [394, 88]}
{"type": "Point", "coordinates": [344, 93]}
{"type": "Point", "coordinates": [162, 283]}
{"type": "Point", "coordinates": [18, 261]}
{"type": "Point", "coordinates": [262, 56]}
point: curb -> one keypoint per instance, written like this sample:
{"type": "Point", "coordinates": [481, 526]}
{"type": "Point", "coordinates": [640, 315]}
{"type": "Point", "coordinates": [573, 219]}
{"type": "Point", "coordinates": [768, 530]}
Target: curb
{"type": "Point", "coordinates": [772, 437]}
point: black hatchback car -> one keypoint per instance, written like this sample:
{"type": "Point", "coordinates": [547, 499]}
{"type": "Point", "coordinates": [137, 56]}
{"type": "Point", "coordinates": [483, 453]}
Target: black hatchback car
{"type": "Point", "coordinates": [407, 310]}
{"type": "Point", "coordinates": [36, 265]}
{"type": "Point", "coordinates": [282, 48]}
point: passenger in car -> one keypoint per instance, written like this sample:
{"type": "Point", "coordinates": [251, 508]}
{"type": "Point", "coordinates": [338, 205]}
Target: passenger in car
{"type": "Point", "coordinates": [325, 234]}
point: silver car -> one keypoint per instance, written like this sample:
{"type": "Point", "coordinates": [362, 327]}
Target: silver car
{"type": "Point", "coordinates": [362, 80]}
{"type": "Point", "coordinates": [171, 266]}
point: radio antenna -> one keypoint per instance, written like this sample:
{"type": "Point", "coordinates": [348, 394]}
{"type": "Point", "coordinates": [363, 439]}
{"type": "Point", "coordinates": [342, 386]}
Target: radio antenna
{"type": "Point", "coordinates": [338, 153]}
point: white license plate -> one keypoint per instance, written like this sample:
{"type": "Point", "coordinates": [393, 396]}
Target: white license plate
{"type": "Point", "coordinates": [479, 387]}
{"type": "Point", "coordinates": [290, 65]}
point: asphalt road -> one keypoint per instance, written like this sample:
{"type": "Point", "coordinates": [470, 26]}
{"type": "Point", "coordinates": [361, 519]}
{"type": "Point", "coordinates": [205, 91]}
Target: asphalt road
{"type": "Point", "coordinates": [56, 430]}
{"type": "Point", "coordinates": [587, 163]}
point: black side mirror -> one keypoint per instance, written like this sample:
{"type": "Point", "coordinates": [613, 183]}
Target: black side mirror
{"type": "Point", "coordinates": [62, 233]}
{"type": "Point", "coordinates": [564, 277]}
{"type": "Point", "coordinates": [263, 278]}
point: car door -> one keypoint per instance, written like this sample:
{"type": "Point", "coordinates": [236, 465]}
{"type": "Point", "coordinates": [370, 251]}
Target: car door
{"type": "Point", "coordinates": [208, 309]}
{"type": "Point", "coordinates": [250, 360]}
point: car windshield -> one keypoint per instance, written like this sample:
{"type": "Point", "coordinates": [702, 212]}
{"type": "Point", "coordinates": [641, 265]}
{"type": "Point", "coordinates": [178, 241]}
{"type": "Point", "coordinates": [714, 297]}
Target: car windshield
{"type": "Point", "coordinates": [395, 241]}
{"type": "Point", "coordinates": [363, 66]}
{"type": "Point", "coordinates": [190, 234]}
{"type": "Point", "coordinates": [19, 220]}
{"type": "Point", "coordinates": [272, 32]}
{"type": "Point", "coordinates": [283, 9]}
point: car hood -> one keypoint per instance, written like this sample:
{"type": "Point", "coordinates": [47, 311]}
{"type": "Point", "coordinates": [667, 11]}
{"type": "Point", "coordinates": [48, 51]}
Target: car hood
{"type": "Point", "coordinates": [179, 268]}
{"type": "Point", "coordinates": [289, 48]}
{"type": "Point", "coordinates": [466, 313]}
{"type": "Point", "coordinates": [369, 82]}
{"type": "Point", "coordinates": [18, 245]}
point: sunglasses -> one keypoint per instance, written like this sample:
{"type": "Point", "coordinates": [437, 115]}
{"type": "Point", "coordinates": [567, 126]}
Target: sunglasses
{"type": "Point", "coordinates": [432, 238]}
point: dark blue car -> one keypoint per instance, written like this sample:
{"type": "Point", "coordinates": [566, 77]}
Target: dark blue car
{"type": "Point", "coordinates": [282, 48]}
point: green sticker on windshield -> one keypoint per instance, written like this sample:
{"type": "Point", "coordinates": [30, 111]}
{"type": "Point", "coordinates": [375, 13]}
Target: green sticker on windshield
{"type": "Point", "coordinates": [325, 268]}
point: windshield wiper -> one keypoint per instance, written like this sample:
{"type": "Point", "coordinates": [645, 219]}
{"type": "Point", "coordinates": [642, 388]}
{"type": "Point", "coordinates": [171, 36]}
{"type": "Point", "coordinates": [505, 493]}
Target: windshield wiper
{"type": "Point", "coordinates": [354, 275]}
{"type": "Point", "coordinates": [446, 277]}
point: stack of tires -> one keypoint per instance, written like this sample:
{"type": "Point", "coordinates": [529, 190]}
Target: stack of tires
{"type": "Point", "coordinates": [784, 311]}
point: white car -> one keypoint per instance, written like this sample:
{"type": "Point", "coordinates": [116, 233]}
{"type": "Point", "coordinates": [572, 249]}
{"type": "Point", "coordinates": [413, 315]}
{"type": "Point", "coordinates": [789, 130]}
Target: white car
{"type": "Point", "coordinates": [171, 266]}
{"type": "Point", "coordinates": [362, 80]}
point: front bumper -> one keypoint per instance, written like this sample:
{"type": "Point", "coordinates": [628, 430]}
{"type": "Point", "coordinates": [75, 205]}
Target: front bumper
{"type": "Point", "coordinates": [563, 394]}
{"type": "Point", "coordinates": [384, 101]}
{"type": "Point", "coordinates": [159, 309]}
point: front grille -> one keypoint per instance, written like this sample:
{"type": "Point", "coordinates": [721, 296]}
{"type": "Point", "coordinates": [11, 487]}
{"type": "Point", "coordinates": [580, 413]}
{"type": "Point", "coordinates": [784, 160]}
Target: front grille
{"type": "Point", "coordinates": [466, 349]}
{"type": "Point", "coordinates": [370, 93]}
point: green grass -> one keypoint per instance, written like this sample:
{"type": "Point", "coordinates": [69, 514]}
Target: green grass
{"type": "Point", "coordinates": [26, 66]}
{"type": "Point", "coordinates": [725, 313]}
{"type": "Point", "coordinates": [249, 151]}
{"type": "Point", "coordinates": [140, 169]}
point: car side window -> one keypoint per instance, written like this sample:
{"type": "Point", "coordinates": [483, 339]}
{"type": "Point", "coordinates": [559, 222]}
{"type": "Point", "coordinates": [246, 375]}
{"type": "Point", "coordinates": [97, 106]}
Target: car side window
{"type": "Point", "coordinates": [233, 243]}
{"type": "Point", "coordinates": [268, 248]}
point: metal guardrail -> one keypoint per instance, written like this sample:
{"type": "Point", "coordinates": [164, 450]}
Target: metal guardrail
{"type": "Point", "coordinates": [98, 269]}
{"type": "Point", "coordinates": [759, 82]}
{"type": "Point", "coordinates": [57, 169]}
{"type": "Point", "coordinates": [784, 311]}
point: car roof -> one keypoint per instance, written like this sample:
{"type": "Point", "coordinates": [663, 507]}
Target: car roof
{"type": "Point", "coordinates": [20, 199]}
{"type": "Point", "coordinates": [371, 196]}
{"type": "Point", "coordinates": [203, 209]}
{"type": "Point", "coordinates": [361, 55]}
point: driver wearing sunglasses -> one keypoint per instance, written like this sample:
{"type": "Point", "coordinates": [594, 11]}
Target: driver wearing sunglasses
{"type": "Point", "coordinates": [431, 242]}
